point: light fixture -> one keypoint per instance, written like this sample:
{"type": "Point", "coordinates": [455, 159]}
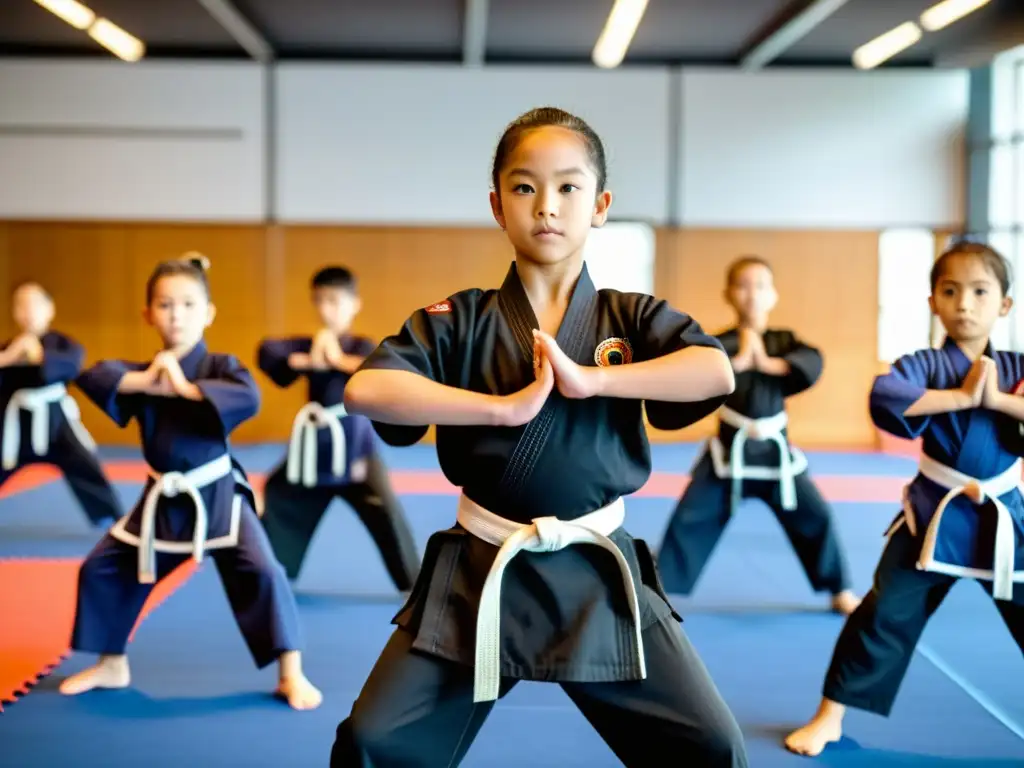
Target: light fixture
{"type": "Point", "coordinates": [74, 13]}
{"type": "Point", "coordinates": [884, 47]}
{"type": "Point", "coordinates": [123, 45]}
{"type": "Point", "coordinates": [945, 13]}
{"type": "Point", "coordinates": [611, 46]}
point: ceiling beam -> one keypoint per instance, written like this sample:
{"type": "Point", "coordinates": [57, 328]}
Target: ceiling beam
{"type": "Point", "coordinates": [783, 31]}
{"type": "Point", "coordinates": [240, 28]}
{"type": "Point", "coordinates": [474, 33]}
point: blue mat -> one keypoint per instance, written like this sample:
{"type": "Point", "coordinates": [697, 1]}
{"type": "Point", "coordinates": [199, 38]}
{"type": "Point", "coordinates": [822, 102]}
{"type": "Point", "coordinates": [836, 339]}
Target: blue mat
{"type": "Point", "coordinates": [764, 635]}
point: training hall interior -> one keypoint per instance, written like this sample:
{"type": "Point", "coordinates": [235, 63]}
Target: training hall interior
{"type": "Point", "coordinates": [846, 143]}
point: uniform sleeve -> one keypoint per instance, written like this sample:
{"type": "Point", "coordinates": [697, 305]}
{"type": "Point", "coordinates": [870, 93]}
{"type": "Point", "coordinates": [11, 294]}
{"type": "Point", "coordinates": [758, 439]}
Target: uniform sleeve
{"type": "Point", "coordinates": [231, 391]}
{"type": "Point", "coordinates": [662, 330]}
{"type": "Point", "coordinates": [423, 346]}
{"type": "Point", "coordinates": [272, 359]}
{"type": "Point", "coordinates": [805, 365]}
{"type": "Point", "coordinates": [364, 347]}
{"type": "Point", "coordinates": [1011, 431]}
{"type": "Point", "coordinates": [100, 382]}
{"type": "Point", "coordinates": [894, 392]}
{"type": "Point", "coordinates": [427, 345]}
{"type": "Point", "coordinates": [62, 359]}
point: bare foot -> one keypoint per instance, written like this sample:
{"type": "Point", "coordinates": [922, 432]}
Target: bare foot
{"type": "Point", "coordinates": [825, 728]}
{"type": "Point", "coordinates": [108, 672]}
{"type": "Point", "coordinates": [845, 602]}
{"type": "Point", "coordinates": [299, 692]}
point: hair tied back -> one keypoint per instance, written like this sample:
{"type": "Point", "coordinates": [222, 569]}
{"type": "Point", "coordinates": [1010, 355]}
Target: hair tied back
{"type": "Point", "coordinates": [197, 260]}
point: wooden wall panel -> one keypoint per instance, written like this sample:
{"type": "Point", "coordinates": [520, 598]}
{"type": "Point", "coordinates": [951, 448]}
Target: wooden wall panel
{"type": "Point", "coordinates": [260, 278]}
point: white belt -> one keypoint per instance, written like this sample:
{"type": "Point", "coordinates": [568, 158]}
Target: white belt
{"type": "Point", "coordinates": [302, 449]}
{"type": "Point", "coordinates": [792, 461]}
{"type": "Point", "coordinates": [1003, 557]}
{"type": "Point", "coordinates": [545, 534]}
{"type": "Point", "coordinates": [37, 402]}
{"type": "Point", "coordinates": [170, 485]}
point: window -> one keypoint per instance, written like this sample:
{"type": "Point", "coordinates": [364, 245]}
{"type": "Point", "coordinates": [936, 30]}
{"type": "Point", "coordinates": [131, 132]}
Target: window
{"type": "Point", "coordinates": [1005, 188]}
{"type": "Point", "coordinates": [905, 258]}
{"type": "Point", "coordinates": [620, 255]}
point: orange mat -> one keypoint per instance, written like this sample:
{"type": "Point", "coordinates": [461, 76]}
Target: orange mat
{"type": "Point", "coordinates": [37, 610]}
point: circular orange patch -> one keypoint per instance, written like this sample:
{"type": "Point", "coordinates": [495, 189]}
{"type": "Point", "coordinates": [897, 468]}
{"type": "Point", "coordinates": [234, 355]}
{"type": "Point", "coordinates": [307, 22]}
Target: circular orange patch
{"type": "Point", "coordinates": [613, 352]}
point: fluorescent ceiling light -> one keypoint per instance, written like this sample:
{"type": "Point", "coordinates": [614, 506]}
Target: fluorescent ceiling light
{"type": "Point", "coordinates": [945, 13]}
{"type": "Point", "coordinates": [74, 13]}
{"type": "Point", "coordinates": [611, 46]}
{"type": "Point", "coordinates": [884, 47]}
{"type": "Point", "coordinates": [116, 40]}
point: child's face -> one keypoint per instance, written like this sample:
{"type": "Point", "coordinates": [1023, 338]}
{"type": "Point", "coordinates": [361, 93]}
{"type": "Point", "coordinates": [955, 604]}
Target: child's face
{"type": "Point", "coordinates": [337, 307]}
{"type": "Point", "coordinates": [968, 299]}
{"type": "Point", "coordinates": [180, 311]}
{"type": "Point", "coordinates": [548, 196]}
{"type": "Point", "coordinates": [32, 309]}
{"type": "Point", "coordinates": [752, 292]}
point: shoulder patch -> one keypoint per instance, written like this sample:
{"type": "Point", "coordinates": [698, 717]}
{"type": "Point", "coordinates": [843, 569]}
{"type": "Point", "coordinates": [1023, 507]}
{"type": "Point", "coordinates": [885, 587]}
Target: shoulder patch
{"type": "Point", "coordinates": [613, 351]}
{"type": "Point", "coordinates": [440, 308]}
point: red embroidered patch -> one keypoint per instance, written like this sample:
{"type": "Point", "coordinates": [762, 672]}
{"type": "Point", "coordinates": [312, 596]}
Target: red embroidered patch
{"type": "Point", "coordinates": [439, 308]}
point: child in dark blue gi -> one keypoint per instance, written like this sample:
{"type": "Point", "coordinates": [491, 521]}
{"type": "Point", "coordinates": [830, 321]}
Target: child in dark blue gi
{"type": "Point", "coordinates": [331, 454]}
{"type": "Point", "coordinates": [40, 420]}
{"type": "Point", "coordinates": [187, 401]}
{"type": "Point", "coordinates": [963, 513]}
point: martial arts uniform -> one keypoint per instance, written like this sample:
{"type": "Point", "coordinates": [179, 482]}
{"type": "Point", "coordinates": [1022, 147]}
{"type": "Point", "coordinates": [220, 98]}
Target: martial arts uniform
{"type": "Point", "coordinates": [42, 425]}
{"type": "Point", "coordinates": [197, 500]}
{"type": "Point", "coordinates": [940, 535]}
{"type": "Point", "coordinates": [331, 455]}
{"type": "Point", "coordinates": [734, 466]}
{"type": "Point", "coordinates": [583, 607]}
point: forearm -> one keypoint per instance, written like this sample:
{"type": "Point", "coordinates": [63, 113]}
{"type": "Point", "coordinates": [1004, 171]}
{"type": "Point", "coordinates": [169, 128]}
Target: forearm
{"type": "Point", "coordinates": [133, 382]}
{"type": "Point", "coordinates": [190, 391]}
{"type": "Point", "coordinates": [939, 401]}
{"type": "Point", "coordinates": [1010, 405]}
{"type": "Point", "coordinates": [689, 375]}
{"type": "Point", "coordinates": [409, 399]}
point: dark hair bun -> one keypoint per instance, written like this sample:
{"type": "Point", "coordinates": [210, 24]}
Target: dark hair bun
{"type": "Point", "coordinates": [197, 260]}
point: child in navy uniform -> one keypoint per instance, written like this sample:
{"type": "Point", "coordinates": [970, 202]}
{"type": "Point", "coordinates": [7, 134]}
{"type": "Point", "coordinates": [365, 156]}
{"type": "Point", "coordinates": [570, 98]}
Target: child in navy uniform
{"type": "Point", "coordinates": [751, 456]}
{"type": "Point", "coordinates": [331, 454]}
{"type": "Point", "coordinates": [963, 512]}
{"type": "Point", "coordinates": [187, 402]}
{"type": "Point", "coordinates": [41, 422]}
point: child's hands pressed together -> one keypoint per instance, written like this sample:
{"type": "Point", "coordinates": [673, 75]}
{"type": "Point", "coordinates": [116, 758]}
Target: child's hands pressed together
{"type": "Point", "coordinates": [573, 380]}
{"type": "Point", "coordinates": [522, 406]}
{"type": "Point", "coordinates": [973, 387]}
{"type": "Point", "coordinates": [991, 393]}
{"type": "Point", "coordinates": [325, 350]}
{"type": "Point", "coordinates": [30, 349]}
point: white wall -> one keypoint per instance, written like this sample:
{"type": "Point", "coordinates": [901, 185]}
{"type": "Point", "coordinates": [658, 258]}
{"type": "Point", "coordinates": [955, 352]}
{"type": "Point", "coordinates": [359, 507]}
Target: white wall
{"type": "Point", "coordinates": [823, 149]}
{"type": "Point", "coordinates": [413, 144]}
{"type": "Point", "coordinates": [105, 140]}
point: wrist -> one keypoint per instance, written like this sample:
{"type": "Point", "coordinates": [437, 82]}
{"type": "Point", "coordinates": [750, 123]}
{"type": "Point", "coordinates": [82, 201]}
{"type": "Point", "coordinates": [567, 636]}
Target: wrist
{"type": "Point", "coordinates": [498, 411]}
{"type": "Point", "coordinates": [997, 402]}
{"type": "Point", "coordinates": [741, 362]}
{"type": "Point", "coordinates": [190, 391]}
{"type": "Point", "coordinates": [596, 380]}
{"type": "Point", "coordinates": [962, 400]}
